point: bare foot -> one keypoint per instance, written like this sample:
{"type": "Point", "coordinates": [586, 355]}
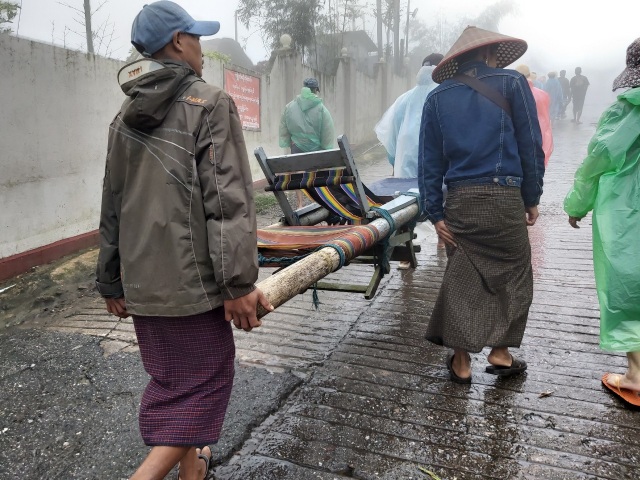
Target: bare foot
{"type": "Point", "coordinates": [202, 464]}
{"type": "Point", "coordinates": [622, 381]}
{"type": "Point", "coordinates": [500, 357]}
{"type": "Point", "coordinates": [462, 365]}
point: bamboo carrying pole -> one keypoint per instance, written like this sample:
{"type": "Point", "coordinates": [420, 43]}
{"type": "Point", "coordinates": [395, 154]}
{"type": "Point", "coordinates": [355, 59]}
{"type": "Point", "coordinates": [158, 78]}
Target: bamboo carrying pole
{"type": "Point", "coordinates": [295, 279]}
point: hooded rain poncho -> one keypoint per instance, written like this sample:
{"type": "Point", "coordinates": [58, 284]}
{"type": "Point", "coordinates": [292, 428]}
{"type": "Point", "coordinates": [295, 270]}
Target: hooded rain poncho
{"type": "Point", "coordinates": [608, 182]}
{"type": "Point", "coordinates": [307, 123]}
{"type": "Point", "coordinates": [399, 128]}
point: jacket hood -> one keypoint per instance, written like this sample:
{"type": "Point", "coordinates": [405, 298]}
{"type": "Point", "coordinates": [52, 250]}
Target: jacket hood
{"type": "Point", "coordinates": [152, 87]}
{"type": "Point", "coordinates": [307, 100]}
{"type": "Point", "coordinates": [632, 96]}
{"type": "Point", "coordinates": [424, 75]}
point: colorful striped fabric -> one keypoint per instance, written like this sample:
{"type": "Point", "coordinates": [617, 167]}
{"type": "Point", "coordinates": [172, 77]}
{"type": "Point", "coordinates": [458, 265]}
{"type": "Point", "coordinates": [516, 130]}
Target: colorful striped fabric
{"type": "Point", "coordinates": [342, 200]}
{"type": "Point", "coordinates": [330, 188]}
{"type": "Point", "coordinates": [316, 178]}
{"type": "Point", "coordinates": [277, 244]}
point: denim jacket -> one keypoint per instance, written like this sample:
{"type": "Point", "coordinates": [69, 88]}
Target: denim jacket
{"type": "Point", "coordinates": [465, 138]}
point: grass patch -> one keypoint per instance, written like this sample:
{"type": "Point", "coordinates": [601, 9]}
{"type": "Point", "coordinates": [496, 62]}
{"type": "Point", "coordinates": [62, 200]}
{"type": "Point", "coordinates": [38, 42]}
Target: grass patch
{"type": "Point", "coordinates": [264, 202]}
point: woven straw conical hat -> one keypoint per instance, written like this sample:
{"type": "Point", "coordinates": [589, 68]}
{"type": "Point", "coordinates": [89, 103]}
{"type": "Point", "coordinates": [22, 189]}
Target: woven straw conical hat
{"type": "Point", "coordinates": [509, 50]}
{"type": "Point", "coordinates": [630, 77]}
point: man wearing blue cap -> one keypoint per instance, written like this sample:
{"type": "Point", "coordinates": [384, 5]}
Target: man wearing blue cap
{"type": "Point", "coordinates": [178, 237]}
{"type": "Point", "coordinates": [306, 124]}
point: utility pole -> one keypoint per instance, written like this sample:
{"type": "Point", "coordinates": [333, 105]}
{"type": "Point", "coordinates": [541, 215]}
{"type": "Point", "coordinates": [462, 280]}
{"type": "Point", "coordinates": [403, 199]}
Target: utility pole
{"type": "Point", "coordinates": [396, 33]}
{"type": "Point", "coordinates": [406, 36]}
{"type": "Point", "coordinates": [379, 19]}
{"type": "Point", "coordinates": [87, 25]}
{"type": "Point", "coordinates": [235, 16]}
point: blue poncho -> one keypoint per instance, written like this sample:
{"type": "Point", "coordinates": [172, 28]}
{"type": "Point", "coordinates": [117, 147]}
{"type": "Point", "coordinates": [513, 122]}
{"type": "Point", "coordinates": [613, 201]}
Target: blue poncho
{"type": "Point", "coordinates": [399, 128]}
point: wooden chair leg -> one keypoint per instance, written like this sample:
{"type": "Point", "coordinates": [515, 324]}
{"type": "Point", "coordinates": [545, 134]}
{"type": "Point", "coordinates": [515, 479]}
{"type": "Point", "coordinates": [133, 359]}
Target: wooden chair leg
{"type": "Point", "coordinates": [374, 283]}
{"type": "Point", "coordinates": [413, 261]}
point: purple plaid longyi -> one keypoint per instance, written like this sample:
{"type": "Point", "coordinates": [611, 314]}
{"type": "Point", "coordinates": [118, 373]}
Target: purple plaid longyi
{"type": "Point", "coordinates": [191, 364]}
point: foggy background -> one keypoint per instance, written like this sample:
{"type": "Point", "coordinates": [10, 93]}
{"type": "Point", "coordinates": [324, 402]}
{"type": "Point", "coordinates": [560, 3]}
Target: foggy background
{"type": "Point", "coordinates": [561, 34]}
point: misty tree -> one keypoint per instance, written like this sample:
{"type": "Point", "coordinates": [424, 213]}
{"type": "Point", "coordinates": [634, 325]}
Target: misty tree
{"type": "Point", "coordinates": [317, 24]}
{"type": "Point", "coordinates": [440, 34]}
{"type": "Point", "coordinates": [337, 17]}
{"type": "Point", "coordinates": [8, 11]}
{"type": "Point", "coordinates": [132, 55]}
{"type": "Point", "coordinates": [387, 16]}
{"type": "Point", "coordinates": [98, 39]}
{"type": "Point", "coordinates": [490, 17]}
{"type": "Point", "coordinates": [273, 18]}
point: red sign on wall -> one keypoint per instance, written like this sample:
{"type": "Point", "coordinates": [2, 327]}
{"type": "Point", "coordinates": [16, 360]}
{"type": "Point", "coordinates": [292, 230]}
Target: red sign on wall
{"type": "Point", "coordinates": [245, 91]}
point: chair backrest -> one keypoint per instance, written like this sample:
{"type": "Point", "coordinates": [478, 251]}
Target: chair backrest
{"type": "Point", "coordinates": [330, 177]}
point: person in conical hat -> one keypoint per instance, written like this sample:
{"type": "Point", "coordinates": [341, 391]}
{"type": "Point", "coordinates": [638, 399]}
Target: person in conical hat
{"type": "Point", "coordinates": [480, 136]}
{"type": "Point", "coordinates": [507, 50]}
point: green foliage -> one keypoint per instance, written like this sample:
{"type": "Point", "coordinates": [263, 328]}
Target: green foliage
{"type": "Point", "coordinates": [429, 472]}
{"type": "Point", "coordinates": [8, 11]}
{"type": "Point", "coordinates": [273, 18]}
{"type": "Point", "coordinates": [217, 56]}
{"type": "Point", "coordinates": [311, 22]}
{"type": "Point", "coordinates": [440, 35]}
{"type": "Point", "coordinates": [490, 17]}
{"type": "Point", "coordinates": [264, 202]}
{"type": "Point", "coordinates": [132, 55]}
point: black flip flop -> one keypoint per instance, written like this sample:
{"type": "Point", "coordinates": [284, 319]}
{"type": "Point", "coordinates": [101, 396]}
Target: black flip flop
{"type": "Point", "coordinates": [207, 462]}
{"type": "Point", "coordinates": [516, 367]}
{"type": "Point", "coordinates": [453, 376]}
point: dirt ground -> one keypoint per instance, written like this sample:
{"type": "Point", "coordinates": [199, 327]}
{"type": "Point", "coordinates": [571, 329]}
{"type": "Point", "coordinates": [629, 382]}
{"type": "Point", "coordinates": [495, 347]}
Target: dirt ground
{"type": "Point", "coordinates": [48, 291]}
{"type": "Point", "coordinates": [51, 290]}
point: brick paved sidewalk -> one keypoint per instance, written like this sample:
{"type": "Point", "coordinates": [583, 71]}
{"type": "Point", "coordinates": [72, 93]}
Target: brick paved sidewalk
{"type": "Point", "coordinates": [381, 405]}
{"type": "Point", "coordinates": [375, 400]}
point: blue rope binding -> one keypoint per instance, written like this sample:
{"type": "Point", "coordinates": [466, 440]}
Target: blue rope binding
{"type": "Point", "coordinates": [262, 260]}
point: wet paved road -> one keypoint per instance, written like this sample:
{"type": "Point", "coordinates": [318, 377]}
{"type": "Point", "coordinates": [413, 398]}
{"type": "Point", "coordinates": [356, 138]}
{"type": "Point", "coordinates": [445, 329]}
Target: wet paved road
{"type": "Point", "coordinates": [380, 404]}
{"type": "Point", "coordinates": [375, 401]}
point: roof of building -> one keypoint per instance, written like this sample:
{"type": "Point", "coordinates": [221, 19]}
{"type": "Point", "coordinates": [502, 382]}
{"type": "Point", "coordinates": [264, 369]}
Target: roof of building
{"type": "Point", "coordinates": [230, 47]}
{"type": "Point", "coordinates": [359, 38]}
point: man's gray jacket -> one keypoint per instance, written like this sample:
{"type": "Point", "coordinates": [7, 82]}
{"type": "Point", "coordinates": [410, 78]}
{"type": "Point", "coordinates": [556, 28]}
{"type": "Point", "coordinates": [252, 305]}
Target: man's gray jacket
{"type": "Point", "coordinates": [178, 224]}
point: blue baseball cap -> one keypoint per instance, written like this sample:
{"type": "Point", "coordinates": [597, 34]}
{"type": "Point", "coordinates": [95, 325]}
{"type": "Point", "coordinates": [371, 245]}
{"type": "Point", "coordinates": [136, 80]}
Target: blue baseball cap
{"type": "Point", "coordinates": [156, 23]}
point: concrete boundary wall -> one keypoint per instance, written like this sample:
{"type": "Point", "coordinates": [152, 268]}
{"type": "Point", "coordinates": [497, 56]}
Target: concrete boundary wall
{"type": "Point", "coordinates": [56, 109]}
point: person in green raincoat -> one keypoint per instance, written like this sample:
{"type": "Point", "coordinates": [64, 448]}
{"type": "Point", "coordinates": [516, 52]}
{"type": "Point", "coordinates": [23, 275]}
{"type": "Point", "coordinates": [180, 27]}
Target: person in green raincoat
{"type": "Point", "coordinates": [608, 182]}
{"type": "Point", "coordinates": [306, 124]}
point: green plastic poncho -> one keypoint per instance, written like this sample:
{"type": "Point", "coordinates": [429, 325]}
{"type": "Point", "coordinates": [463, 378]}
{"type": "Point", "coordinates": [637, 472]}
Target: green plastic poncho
{"type": "Point", "coordinates": [608, 182]}
{"type": "Point", "coordinates": [307, 123]}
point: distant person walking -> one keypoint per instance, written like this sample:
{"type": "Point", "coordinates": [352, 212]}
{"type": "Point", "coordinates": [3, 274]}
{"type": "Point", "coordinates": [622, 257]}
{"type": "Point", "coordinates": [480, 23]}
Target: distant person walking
{"type": "Point", "coordinates": [607, 183]}
{"type": "Point", "coordinates": [178, 238]}
{"type": "Point", "coordinates": [399, 128]}
{"type": "Point", "coordinates": [480, 134]}
{"type": "Point", "coordinates": [566, 92]}
{"type": "Point", "coordinates": [542, 107]}
{"type": "Point", "coordinates": [536, 81]}
{"type": "Point", "coordinates": [554, 89]}
{"type": "Point", "coordinates": [306, 124]}
{"type": "Point", "coordinates": [578, 91]}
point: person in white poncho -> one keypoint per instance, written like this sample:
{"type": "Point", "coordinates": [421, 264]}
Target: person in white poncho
{"type": "Point", "coordinates": [399, 128]}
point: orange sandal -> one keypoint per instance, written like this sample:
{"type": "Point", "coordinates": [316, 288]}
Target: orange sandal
{"type": "Point", "coordinates": [625, 394]}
